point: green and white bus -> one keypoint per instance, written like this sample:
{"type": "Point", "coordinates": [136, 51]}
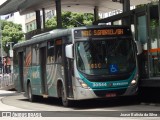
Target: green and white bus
{"type": "Point", "coordinates": [77, 64]}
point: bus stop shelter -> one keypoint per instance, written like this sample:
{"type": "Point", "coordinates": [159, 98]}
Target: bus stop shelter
{"type": "Point", "coordinates": [85, 6]}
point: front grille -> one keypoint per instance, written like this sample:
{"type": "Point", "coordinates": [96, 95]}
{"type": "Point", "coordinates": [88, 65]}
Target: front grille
{"type": "Point", "coordinates": [107, 78]}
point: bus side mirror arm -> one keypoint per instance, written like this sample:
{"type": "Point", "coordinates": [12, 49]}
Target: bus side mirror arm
{"type": "Point", "coordinates": [69, 51]}
{"type": "Point", "coordinates": [139, 47]}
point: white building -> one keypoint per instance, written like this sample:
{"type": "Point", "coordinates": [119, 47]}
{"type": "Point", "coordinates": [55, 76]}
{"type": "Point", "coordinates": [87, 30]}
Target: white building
{"type": "Point", "coordinates": [30, 19]}
{"type": "Point", "coordinates": [16, 18]}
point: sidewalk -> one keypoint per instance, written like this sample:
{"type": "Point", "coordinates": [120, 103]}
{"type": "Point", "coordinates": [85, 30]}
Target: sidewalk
{"type": "Point", "coordinates": [3, 107]}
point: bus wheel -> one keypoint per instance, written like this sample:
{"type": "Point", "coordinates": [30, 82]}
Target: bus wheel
{"type": "Point", "coordinates": [31, 97]}
{"type": "Point", "coordinates": [65, 101]}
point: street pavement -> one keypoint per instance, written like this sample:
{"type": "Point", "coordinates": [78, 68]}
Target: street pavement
{"type": "Point", "coordinates": [6, 108]}
{"type": "Point", "coordinates": [3, 107]}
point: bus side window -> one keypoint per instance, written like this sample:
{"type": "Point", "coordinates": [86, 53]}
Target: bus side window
{"type": "Point", "coordinates": [50, 52]}
{"type": "Point", "coordinates": [28, 57]}
{"type": "Point", "coordinates": [35, 55]}
{"type": "Point", "coordinates": [15, 59]}
{"type": "Point", "coordinates": [58, 51]}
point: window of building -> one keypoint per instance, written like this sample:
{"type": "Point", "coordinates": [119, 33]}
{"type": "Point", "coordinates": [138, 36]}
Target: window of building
{"type": "Point", "coordinates": [49, 15]}
{"type": "Point", "coordinates": [31, 27]}
{"type": "Point", "coordinates": [27, 28]}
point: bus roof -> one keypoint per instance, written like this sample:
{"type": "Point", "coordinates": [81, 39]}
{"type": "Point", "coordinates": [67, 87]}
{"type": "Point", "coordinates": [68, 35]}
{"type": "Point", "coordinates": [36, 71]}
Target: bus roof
{"type": "Point", "coordinates": [43, 37]}
{"type": "Point", "coordinates": [59, 33]}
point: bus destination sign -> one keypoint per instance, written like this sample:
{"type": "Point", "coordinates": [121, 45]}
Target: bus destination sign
{"type": "Point", "coordinates": [100, 32]}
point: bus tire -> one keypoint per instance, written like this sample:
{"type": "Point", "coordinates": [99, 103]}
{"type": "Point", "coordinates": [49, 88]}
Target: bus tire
{"type": "Point", "coordinates": [31, 97]}
{"type": "Point", "coordinates": [65, 101]}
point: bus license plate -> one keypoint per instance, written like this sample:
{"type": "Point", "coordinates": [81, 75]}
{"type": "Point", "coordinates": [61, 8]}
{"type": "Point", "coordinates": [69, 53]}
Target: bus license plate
{"type": "Point", "coordinates": [111, 95]}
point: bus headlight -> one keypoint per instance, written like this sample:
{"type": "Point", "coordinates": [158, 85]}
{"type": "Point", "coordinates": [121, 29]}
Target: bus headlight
{"type": "Point", "coordinates": [82, 83]}
{"type": "Point", "coordinates": [135, 79]}
{"type": "Point", "coordinates": [133, 82]}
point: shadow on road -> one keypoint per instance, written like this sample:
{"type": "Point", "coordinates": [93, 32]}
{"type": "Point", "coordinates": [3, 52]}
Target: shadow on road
{"type": "Point", "coordinates": [150, 95]}
{"type": "Point", "coordinates": [89, 104]}
{"type": "Point", "coordinates": [105, 103]}
{"type": "Point", "coordinates": [147, 98]}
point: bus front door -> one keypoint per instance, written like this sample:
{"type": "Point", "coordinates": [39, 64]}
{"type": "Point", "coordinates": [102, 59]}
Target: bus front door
{"type": "Point", "coordinates": [69, 74]}
{"type": "Point", "coordinates": [43, 70]}
{"type": "Point", "coordinates": [70, 77]}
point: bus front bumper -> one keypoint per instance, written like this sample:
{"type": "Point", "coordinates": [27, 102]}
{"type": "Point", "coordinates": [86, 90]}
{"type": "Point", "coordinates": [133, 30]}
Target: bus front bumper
{"type": "Point", "coordinates": [131, 90]}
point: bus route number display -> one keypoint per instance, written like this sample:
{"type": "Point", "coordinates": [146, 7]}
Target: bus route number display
{"type": "Point", "coordinates": [99, 32]}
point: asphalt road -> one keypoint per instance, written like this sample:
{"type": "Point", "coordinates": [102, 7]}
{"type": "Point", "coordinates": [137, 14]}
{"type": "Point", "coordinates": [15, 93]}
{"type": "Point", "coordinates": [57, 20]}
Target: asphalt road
{"type": "Point", "coordinates": [52, 104]}
{"type": "Point", "coordinates": [95, 109]}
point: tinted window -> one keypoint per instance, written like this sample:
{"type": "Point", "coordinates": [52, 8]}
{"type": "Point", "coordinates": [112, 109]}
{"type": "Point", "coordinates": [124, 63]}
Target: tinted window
{"type": "Point", "coordinates": [50, 52]}
{"type": "Point", "coordinates": [58, 51]}
{"type": "Point", "coordinates": [28, 56]}
{"type": "Point", "coordinates": [35, 55]}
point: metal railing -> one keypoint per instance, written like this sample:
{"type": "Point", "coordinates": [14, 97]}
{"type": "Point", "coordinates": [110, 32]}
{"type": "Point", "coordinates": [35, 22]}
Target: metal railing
{"type": "Point", "coordinates": [6, 81]}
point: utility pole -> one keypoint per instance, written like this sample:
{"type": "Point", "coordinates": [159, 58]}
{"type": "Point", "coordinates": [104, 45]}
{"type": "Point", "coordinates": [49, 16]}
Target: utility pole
{"type": "Point", "coordinates": [10, 49]}
{"type": "Point", "coordinates": [1, 51]}
{"type": "Point", "coordinates": [10, 54]}
{"type": "Point", "coordinates": [1, 43]}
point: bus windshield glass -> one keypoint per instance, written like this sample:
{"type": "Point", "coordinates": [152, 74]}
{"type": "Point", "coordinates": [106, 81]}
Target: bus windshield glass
{"type": "Point", "coordinates": [105, 57]}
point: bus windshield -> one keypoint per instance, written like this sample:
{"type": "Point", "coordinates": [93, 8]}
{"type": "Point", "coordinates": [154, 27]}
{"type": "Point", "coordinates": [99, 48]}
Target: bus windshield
{"type": "Point", "coordinates": [105, 57]}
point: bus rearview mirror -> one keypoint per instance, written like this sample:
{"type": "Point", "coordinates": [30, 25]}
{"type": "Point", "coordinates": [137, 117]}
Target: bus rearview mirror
{"type": "Point", "coordinates": [139, 47]}
{"type": "Point", "coordinates": [69, 51]}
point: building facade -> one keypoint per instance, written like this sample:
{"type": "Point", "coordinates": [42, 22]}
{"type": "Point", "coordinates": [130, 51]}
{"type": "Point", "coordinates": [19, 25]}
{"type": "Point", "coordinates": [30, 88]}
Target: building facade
{"type": "Point", "coordinates": [30, 19]}
{"type": "Point", "coordinates": [16, 18]}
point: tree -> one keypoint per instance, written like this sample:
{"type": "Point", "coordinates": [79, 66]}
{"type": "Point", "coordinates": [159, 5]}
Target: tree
{"type": "Point", "coordinates": [70, 19]}
{"type": "Point", "coordinates": [51, 23]}
{"type": "Point", "coordinates": [11, 32]}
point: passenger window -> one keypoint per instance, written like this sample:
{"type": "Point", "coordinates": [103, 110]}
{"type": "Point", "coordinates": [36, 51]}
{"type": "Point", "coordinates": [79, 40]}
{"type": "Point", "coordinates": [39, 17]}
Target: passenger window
{"type": "Point", "coordinates": [35, 55]}
{"type": "Point", "coordinates": [58, 51]}
{"type": "Point", "coordinates": [28, 57]}
{"type": "Point", "coordinates": [50, 52]}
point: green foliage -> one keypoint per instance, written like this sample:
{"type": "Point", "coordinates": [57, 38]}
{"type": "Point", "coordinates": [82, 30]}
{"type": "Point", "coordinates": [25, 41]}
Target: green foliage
{"type": "Point", "coordinates": [70, 20]}
{"type": "Point", "coordinates": [153, 2]}
{"type": "Point", "coordinates": [154, 23]}
{"type": "Point", "coordinates": [140, 6]}
{"type": "Point", "coordinates": [51, 23]}
{"type": "Point", "coordinates": [11, 32]}
{"type": "Point", "coordinates": [153, 28]}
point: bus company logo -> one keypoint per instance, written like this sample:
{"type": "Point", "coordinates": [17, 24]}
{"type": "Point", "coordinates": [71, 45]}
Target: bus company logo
{"type": "Point", "coordinates": [120, 83]}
